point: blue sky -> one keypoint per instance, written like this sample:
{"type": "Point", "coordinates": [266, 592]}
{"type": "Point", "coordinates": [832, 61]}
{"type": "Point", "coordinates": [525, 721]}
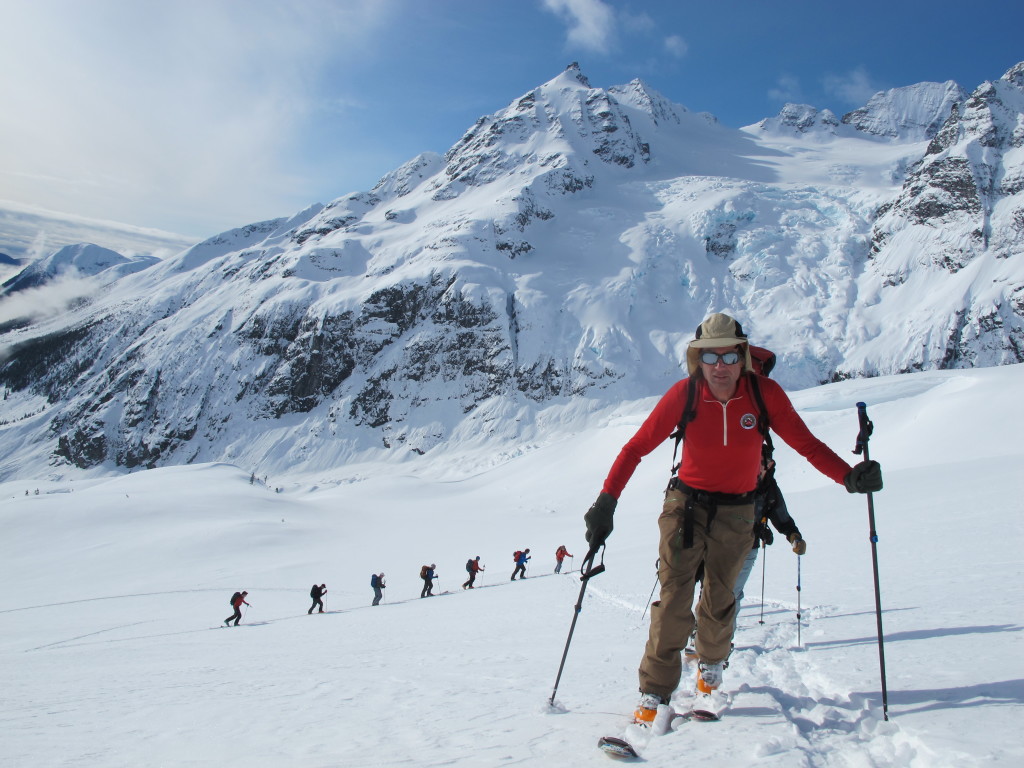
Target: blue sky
{"type": "Point", "coordinates": [194, 116]}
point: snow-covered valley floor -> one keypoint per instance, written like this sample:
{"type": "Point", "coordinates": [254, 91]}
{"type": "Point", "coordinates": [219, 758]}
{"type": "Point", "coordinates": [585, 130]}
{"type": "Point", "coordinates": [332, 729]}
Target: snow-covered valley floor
{"type": "Point", "coordinates": [113, 651]}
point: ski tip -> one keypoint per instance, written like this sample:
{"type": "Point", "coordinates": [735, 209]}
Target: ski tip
{"type": "Point", "coordinates": [703, 715]}
{"type": "Point", "coordinates": [615, 747]}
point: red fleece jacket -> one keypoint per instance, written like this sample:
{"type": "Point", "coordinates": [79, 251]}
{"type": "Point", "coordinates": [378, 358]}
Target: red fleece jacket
{"type": "Point", "coordinates": [722, 449]}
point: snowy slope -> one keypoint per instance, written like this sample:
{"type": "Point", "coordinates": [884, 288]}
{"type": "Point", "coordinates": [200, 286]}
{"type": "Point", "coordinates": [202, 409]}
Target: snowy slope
{"type": "Point", "coordinates": [114, 590]}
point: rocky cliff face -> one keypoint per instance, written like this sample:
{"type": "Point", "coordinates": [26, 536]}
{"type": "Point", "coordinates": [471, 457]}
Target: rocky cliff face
{"type": "Point", "coordinates": [552, 263]}
{"type": "Point", "coordinates": [960, 214]}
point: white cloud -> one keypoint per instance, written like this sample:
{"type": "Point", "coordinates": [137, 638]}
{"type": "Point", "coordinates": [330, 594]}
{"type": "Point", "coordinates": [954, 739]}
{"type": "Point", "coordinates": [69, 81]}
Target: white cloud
{"type": "Point", "coordinates": [52, 299]}
{"type": "Point", "coordinates": [591, 22]}
{"type": "Point", "coordinates": [637, 22]}
{"type": "Point", "coordinates": [676, 46]}
{"type": "Point", "coordinates": [853, 87]}
{"type": "Point", "coordinates": [195, 107]}
{"type": "Point", "coordinates": [787, 89]}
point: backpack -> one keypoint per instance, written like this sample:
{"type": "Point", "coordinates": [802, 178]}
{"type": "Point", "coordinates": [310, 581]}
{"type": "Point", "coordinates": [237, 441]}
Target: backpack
{"type": "Point", "coordinates": [469, 565]}
{"type": "Point", "coordinates": [233, 598]}
{"type": "Point", "coordinates": [313, 591]}
{"type": "Point", "coordinates": [516, 555]}
{"type": "Point", "coordinates": [762, 361]}
{"type": "Point", "coordinates": [375, 581]}
{"type": "Point", "coordinates": [423, 571]}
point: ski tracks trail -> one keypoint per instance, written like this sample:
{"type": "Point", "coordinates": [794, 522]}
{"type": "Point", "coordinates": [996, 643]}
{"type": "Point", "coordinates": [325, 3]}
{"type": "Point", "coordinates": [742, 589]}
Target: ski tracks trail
{"type": "Point", "coordinates": [792, 706]}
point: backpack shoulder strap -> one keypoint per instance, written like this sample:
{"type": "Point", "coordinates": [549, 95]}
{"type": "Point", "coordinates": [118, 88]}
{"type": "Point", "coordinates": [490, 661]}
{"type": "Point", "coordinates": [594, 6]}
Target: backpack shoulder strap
{"type": "Point", "coordinates": [689, 414]}
{"type": "Point", "coordinates": [763, 420]}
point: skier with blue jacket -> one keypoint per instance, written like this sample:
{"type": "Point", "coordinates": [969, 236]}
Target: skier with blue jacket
{"type": "Point", "coordinates": [521, 559]}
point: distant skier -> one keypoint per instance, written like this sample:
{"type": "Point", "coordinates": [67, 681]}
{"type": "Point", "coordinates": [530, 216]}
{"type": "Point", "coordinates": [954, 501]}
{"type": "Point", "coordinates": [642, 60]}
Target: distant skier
{"type": "Point", "coordinates": [560, 554]}
{"type": "Point", "coordinates": [521, 558]}
{"type": "Point", "coordinates": [473, 567]}
{"type": "Point", "coordinates": [317, 593]}
{"type": "Point", "coordinates": [237, 601]}
{"type": "Point", "coordinates": [377, 582]}
{"type": "Point", "coordinates": [769, 505]}
{"type": "Point", "coordinates": [427, 574]}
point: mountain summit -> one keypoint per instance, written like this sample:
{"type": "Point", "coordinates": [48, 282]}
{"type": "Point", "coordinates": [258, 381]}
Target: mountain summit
{"type": "Point", "coordinates": [552, 263]}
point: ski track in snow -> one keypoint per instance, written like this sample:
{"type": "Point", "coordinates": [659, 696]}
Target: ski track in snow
{"type": "Point", "coordinates": [809, 714]}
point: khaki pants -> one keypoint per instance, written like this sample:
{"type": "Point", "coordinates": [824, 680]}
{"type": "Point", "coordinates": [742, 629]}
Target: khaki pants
{"type": "Point", "coordinates": [723, 550]}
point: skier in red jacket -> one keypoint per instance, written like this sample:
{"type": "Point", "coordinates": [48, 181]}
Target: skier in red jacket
{"type": "Point", "coordinates": [708, 512]}
{"type": "Point", "coordinates": [237, 601]}
{"type": "Point", "coordinates": [560, 554]}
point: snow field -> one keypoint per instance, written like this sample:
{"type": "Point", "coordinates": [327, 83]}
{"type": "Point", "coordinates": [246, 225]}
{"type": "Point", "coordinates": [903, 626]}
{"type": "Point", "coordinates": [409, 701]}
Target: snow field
{"type": "Point", "coordinates": [112, 651]}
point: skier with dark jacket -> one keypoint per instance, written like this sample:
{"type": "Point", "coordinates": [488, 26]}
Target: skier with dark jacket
{"type": "Point", "coordinates": [708, 512]}
{"type": "Point", "coordinates": [473, 567]}
{"type": "Point", "coordinates": [317, 593]}
{"type": "Point", "coordinates": [427, 574]}
{"type": "Point", "coordinates": [377, 582]}
{"type": "Point", "coordinates": [769, 506]}
{"type": "Point", "coordinates": [237, 601]}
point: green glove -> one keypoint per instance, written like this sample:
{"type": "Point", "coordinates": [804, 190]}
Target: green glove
{"type": "Point", "coordinates": [599, 519]}
{"type": "Point", "coordinates": [799, 545]}
{"type": "Point", "coordinates": [866, 477]}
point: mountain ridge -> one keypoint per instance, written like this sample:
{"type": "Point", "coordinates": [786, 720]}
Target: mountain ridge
{"type": "Point", "coordinates": [551, 264]}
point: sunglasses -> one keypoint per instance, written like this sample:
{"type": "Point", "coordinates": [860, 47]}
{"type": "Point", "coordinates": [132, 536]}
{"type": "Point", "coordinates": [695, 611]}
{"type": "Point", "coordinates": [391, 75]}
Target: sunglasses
{"type": "Point", "coordinates": [713, 358]}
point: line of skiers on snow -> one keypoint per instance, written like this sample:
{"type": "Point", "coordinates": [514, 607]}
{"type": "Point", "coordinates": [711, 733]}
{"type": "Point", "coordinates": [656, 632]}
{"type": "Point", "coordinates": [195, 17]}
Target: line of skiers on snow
{"type": "Point", "coordinates": [428, 573]}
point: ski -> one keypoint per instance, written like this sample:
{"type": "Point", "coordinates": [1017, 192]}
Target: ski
{"type": "Point", "coordinates": [666, 721]}
{"type": "Point", "coordinates": [701, 715]}
{"type": "Point", "coordinates": [616, 747]}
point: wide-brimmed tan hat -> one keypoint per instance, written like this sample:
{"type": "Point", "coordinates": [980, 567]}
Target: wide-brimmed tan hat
{"type": "Point", "coordinates": [718, 330]}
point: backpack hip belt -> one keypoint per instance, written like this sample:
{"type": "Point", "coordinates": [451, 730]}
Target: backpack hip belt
{"type": "Point", "coordinates": [705, 497]}
{"type": "Point", "coordinates": [708, 499]}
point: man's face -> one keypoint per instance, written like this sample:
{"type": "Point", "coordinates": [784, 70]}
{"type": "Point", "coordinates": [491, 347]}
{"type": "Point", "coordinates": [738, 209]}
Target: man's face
{"type": "Point", "coordinates": [720, 375]}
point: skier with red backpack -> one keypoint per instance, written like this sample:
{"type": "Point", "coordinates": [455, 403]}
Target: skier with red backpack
{"type": "Point", "coordinates": [521, 558]}
{"type": "Point", "coordinates": [428, 574]}
{"type": "Point", "coordinates": [724, 410]}
{"type": "Point", "coordinates": [473, 567]}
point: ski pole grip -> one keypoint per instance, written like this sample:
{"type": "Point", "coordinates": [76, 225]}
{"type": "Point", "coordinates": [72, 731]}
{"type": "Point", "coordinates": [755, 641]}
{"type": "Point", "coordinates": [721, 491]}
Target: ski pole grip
{"type": "Point", "coordinates": [866, 428]}
{"type": "Point", "coordinates": [587, 567]}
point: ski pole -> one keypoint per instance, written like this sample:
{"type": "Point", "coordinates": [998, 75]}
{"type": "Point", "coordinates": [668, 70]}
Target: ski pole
{"type": "Point", "coordinates": [657, 567]}
{"type": "Point", "coordinates": [798, 641]}
{"type": "Point", "coordinates": [764, 561]}
{"type": "Point", "coordinates": [866, 428]}
{"type": "Point", "coordinates": [587, 570]}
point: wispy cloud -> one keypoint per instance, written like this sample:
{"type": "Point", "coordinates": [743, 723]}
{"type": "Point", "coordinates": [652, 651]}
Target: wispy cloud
{"type": "Point", "coordinates": [49, 300]}
{"type": "Point", "coordinates": [119, 107]}
{"type": "Point", "coordinates": [591, 22]}
{"type": "Point", "coordinates": [787, 89]}
{"type": "Point", "coordinates": [676, 46]}
{"type": "Point", "coordinates": [854, 88]}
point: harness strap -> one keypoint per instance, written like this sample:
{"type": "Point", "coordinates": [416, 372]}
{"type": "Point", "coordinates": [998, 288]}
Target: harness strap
{"type": "Point", "coordinates": [707, 499]}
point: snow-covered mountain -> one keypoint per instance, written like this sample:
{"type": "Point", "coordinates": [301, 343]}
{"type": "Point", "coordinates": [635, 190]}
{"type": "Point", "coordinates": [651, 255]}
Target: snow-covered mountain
{"type": "Point", "coordinates": [79, 260]}
{"type": "Point", "coordinates": [551, 264]}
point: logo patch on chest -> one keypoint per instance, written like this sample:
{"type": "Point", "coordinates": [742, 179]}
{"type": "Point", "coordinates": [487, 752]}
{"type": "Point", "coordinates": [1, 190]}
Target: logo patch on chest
{"type": "Point", "coordinates": [748, 421]}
